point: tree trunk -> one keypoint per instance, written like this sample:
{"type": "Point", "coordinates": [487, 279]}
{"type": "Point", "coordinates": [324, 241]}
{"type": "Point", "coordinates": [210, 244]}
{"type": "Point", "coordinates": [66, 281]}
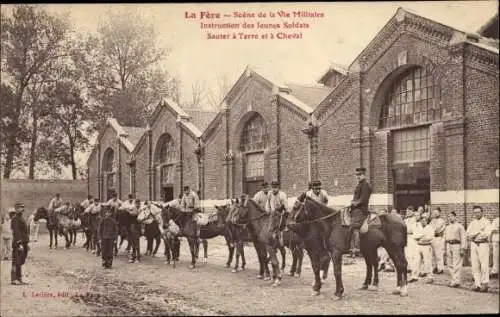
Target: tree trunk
{"type": "Point", "coordinates": [72, 155]}
{"type": "Point", "coordinates": [34, 139]}
{"type": "Point", "coordinates": [11, 140]}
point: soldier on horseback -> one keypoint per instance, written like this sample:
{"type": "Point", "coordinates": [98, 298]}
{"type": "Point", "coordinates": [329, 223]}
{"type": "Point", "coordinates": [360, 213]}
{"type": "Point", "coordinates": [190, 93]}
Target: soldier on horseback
{"type": "Point", "coordinates": [276, 202]}
{"type": "Point", "coordinates": [191, 203]}
{"type": "Point", "coordinates": [86, 203]}
{"type": "Point", "coordinates": [114, 202]}
{"type": "Point", "coordinates": [55, 203]}
{"type": "Point", "coordinates": [317, 193]}
{"type": "Point", "coordinates": [359, 207]}
{"type": "Point", "coordinates": [262, 195]}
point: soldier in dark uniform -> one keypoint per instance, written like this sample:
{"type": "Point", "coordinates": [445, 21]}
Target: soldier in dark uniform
{"type": "Point", "coordinates": [20, 247]}
{"type": "Point", "coordinates": [108, 231]}
{"type": "Point", "coordinates": [359, 204]}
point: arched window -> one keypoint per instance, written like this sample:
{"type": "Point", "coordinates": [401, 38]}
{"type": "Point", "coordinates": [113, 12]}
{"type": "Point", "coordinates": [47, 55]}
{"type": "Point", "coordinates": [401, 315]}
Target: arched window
{"type": "Point", "coordinates": [165, 155]}
{"type": "Point", "coordinates": [107, 162]}
{"type": "Point", "coordinates": [254, 136]}
{"type": "Point", "coordinates": [411, 100]}
{"type": "Point", "coordinates": [165, 150]}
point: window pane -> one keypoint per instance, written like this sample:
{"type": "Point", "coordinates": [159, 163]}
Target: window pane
{"type": "Point", "coordinates": [411, 145]}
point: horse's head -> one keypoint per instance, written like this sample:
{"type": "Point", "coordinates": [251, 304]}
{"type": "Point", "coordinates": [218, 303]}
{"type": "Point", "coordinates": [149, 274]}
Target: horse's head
{"type": "Point", "coordinates": [239, 210]}
{"type": "Point", "coordinates": [299, 212]}
{"type": "Point", "coordinates": [41, 213]}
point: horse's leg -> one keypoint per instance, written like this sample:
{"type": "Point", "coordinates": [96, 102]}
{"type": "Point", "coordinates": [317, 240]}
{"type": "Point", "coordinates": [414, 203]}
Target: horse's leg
{"type": "Point", "coordinates": [300, 251]}
{"type": "Point", "coordinates": [237, 260]}
{"type": "Point", "coordinates": [373, 256]}
{"type": "Point", "coordinates": [204, 242]}
{"type": "Point", "coordinates": [276, 266]}
{"type": "Point", "coordinates": [242, 251]}
{"type": "Point", "coordinates": [230, 247]}
{"type": "Point", "coordinates": [326, 266]}
{"type": "Point", "coordinates": [192, 247]}
{"type": "Point", "coordinates": [293, 268]}
{"type": "Point", "coordinates": [56, 233]}
{"type": "Point", "coordinates": [397, 256]}
{"type": "Point", "coordinates": [283, 258]}
{"type": "Point", "coordinates": [50, 237]}
{"type": "Point", "coordinates": [157, 239]}
{"type": "Point", "coordinates": [316, 265]}
{"type": "Point", "coordinates": [368, 274]}
{"type": "Point", "coordinates": [337, 272]}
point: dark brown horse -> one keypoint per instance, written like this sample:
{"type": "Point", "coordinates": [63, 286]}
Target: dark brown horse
{"type": "Point", "coordinates": [187, 226]}
{"type": "Point", "coordinates": [322, 230]}
{"type": "Point", "coordinates": [52, 221]}
{"type": "Point", "coordinates": [239, 234]}
{"type": "Point", "coordinates": [259, 223]}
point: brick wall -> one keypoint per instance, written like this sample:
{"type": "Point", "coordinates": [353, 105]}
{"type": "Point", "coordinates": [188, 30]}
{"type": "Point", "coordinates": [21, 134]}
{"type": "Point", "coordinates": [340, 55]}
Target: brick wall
{"type": "Point", "coordinates": [214, 148]}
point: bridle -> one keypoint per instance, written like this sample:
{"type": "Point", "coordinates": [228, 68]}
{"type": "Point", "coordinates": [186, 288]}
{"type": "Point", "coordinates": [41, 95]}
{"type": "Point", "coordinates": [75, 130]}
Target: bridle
{"type": "Point", "coordinates": [307, 213]}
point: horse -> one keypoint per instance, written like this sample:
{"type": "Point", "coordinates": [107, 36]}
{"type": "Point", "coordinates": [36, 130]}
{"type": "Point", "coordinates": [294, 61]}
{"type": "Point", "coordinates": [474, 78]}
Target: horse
{"type": "Point", "coordinates": [76, 223]}
{"type": "Point", "coordinates": [66, 225]}
{"type": "Point", "coordinates": [85, 226]}
{"type": "Point", "coordinates": [293, 242]}
{"type": "Point", "coordinates": [51, 222]}
{"type": "Point", "coordinates": [321, 228]}
{"type": "Point", "coordinates": [259, 224]}
{"type": "Point", "coordinates": [187, 228]}
{"type": "Point", "coordinates": [238, 234]}
{"type": "Point", "coordinates": [151, 230]}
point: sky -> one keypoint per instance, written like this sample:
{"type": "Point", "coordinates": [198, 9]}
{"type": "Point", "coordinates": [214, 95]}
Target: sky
{"type": "Point", "coordinates": [338, 37]}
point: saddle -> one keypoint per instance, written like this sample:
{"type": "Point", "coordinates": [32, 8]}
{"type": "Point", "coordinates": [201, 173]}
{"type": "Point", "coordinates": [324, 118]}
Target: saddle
{"type": "Point", "coordinates": [345, 216]}
{"type": "Point", "coordinates": [370, 222]}
{"type": "Point", "coordinates": [204, 219]}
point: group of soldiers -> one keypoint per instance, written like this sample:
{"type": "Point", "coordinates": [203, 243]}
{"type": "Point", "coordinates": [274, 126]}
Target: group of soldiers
{"type": "Point", "coordinates": [430, 238]}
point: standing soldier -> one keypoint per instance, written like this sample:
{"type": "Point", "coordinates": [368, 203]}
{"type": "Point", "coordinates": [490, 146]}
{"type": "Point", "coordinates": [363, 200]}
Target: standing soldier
{"type": "Point", "coordinates": [317, 193]}
{"type": "Point", "coordinates": [438, 243]}
{"type": "Point", "coordinates": [478, 233]}
{"type": "Point", "coordinates": [20, 242]}
{"type": "Point", "coordinates": [134, 228]}
{"type": "Point", "coordinates": [494, 241]}
{"type": "Point", "coordinates": [411, 221]}
{"type": "Point", "coordinates": [424, 234]}
{"type": "Point", "coordinates": [191, 203]}
{"type": "Point", "coordinates": [55, 203]}
{"type": "Point", "coordinates": [94, 210]}
{"type": "Point", "coordinates": [359, 207]}
{"type": "Point", "coordinates": [262, 195]}
{"type": "Point", "coordinates": [107, 231]}
{"type": "Point", "coordinates": [276, 202]}
{"type": "Point", "coordinates": [7, 233]}
{"type": "Point", "coordinates": [34, 226]}
{"type": "Point", "coordinates": [456, 244]}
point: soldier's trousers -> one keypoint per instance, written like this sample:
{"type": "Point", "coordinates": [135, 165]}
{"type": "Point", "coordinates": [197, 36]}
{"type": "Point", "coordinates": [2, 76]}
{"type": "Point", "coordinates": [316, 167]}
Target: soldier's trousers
{"type": "Point", "coordinates": [480, 260]}
{"type": "Point", "coordinates": [107, 251]}
{"type": "Point", "coordinates": [454, 262]}
{"type": "Point", "coordinates": [18, 259]}
{"type": "Point", "coordinates": [424, 264]}
{"type": "Point", "coordinates": [412, 254]}
{"type": "Point", "coordinates": [494, 269]}
{"type": "Point", "coordinates": [437, 245]}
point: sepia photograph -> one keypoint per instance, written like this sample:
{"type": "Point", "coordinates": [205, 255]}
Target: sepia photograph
{"type": "Point", "coordinates": [287, 158]}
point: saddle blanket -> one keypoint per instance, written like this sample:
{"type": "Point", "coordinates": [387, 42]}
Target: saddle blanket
{"type": "Point", "coordinates": [172, 228]}
{"type": "Point", "coordinates": [204, 219]}
{"type": "Point", "coordinates": [345, 215]}
{"type": "Point", "coordinates": [370, 222]}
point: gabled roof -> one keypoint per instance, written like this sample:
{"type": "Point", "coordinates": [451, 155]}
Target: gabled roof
{"type": "Point", "coordinates": [129, 136]}
{"type": "Point", "coordinates": [334, 68]}
{"type": "Point", "coordinates": [180, 115]}
{"type": "Point", "coordinates": [201, 118]}
{"type": "Point", "coordinates": [308, 94]}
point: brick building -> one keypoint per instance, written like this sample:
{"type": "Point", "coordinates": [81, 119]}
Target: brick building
{"type": "Point", "coordinates": [418, 108]}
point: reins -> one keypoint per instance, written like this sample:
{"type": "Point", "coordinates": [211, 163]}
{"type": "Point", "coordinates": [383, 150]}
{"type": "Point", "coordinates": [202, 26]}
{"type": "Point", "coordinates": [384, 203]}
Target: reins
{"type": "Point", "coordinates": [319, 219]}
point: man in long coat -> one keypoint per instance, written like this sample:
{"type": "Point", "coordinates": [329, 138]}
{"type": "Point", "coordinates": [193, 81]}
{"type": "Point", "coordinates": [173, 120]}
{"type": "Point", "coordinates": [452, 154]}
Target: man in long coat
{"type": "Point", "coordinates": [20, 241]}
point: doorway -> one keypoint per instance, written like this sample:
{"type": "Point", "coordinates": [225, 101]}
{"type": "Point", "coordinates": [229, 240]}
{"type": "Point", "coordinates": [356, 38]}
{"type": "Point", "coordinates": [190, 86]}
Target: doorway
{"type": "Point", "coordinates": [167, 193]}
{"type": "Point", "coordinates": [411, 185]}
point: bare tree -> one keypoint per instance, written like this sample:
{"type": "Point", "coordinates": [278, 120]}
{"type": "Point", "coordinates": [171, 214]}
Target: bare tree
{"type": "Point", "coordinates": [217, 93]}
